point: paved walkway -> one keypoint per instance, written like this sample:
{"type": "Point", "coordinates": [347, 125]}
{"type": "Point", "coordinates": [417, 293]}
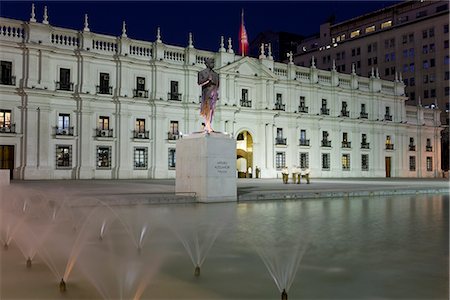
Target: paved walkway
{"type": "Point", "coordinates": [163, 190]}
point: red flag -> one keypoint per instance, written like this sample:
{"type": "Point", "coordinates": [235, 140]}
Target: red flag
{"type": "Point", "coordinates": [243, 38]}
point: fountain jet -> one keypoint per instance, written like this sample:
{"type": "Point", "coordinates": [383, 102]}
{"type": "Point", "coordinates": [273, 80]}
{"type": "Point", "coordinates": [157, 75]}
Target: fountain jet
{"type": "Point", "coordinates": [62, 286]}
{"type": "Point", "coordinates": [5, 246]}
{"type": "Point", "coordinates": [284, 295]}
{"type": "Point", "coordinates": [29, 262]}
{"type": "Point", "coordinates": [197, 271]}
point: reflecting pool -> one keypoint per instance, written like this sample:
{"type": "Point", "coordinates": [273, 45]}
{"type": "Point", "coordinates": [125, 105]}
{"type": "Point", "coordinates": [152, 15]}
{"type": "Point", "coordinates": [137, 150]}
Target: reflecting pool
{"type": "Point", "coordinates": [354, 248]}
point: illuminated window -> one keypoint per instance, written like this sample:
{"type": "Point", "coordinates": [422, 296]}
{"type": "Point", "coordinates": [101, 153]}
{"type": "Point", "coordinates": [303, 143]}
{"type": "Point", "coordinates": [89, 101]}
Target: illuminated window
{"type": "Point", "coordinates": [104, 157]}
{"type": "Point", "coordinates": [370, 29]}
{"type": "Point", "coordinates": [346, 162]}
{"type": "Point", "coordinates": [355, 33]}
{"type": "Point", "coordinates": [386, 24]}
{"type": "Point", "coordinates": [63, 156]}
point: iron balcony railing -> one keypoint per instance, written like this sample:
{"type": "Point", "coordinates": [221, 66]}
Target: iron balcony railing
{"type": "Point", "coordinates": [11, 128]}
{"type": "Point", "coordinates": [280, 106]}
{"type": "Point", "coordinates": [173, 135]}
{"type": "Point", "coordinates": [389, 146]}
{"type": "Point", "coordinates": [345, 113]}
{"type": "Point", "coordinates": [365, 145]}
{"type": "Point", "coordinates": [64, 86]}
{"type": "Point", "coordinates": [346, 144]}
{"type": "Point", "coordinates": [68, 131]}
{"type": "Point", "coordinates": [326, 143]}
{"type": "Point", "coordinates": [141, 134]}
{"type": "Point", "coordinates": [324, 111]}
{"type": "Point", "coordinates": [363, 115]}
{"type": "Point", "coordinates": [304, 142]}
{"type": "Point", "coordinates": [105, 90]}
{"type": "Point", "coordinates": [412, 147]}
{"type": "Point", "coordinates": [246, 103]}
{"type": "Point", "coordinates": [174, 96]}
{"type": "Point", "coordinates": [428, 148]}
{"type": "Point", "coordinates": [8, 80]}
{"type": "Point", "coordinates": [388, 117]}
{"type": "Point", "coordinates": [140, 93]}
{"type": "Point", "coordinates": [99, 132]}
{"type": "Point", "coordinates": [280, 141]}
{"type": "Point", "coordinates": [303, 109]}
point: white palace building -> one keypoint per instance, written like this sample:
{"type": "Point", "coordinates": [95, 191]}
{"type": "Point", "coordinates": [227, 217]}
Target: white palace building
{"type": "Point", "coordinates": [81, 105]}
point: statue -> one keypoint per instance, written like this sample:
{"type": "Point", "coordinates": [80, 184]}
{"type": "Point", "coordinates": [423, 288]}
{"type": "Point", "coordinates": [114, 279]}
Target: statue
{"type": "Point", "coordinates": [209, 81]}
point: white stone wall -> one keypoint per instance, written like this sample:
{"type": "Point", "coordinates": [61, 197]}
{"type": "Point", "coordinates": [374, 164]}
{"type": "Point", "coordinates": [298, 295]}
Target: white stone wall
{"type": "Point", "coordinates": [35, 104]}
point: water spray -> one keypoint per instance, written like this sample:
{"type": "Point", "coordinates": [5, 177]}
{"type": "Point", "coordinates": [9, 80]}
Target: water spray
{"type": "Point", "coordinates": [197, 271]}
{"type": "Point", "coordinates": [29, 262]}
{"type": "Point", "coordinates": [62, 286]}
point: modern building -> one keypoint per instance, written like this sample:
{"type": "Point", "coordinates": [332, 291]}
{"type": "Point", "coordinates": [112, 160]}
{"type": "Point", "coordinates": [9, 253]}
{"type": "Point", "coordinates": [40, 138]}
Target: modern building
{"type": "Point", "coordinates": [409, 39]}
{"type": "Point", "coordinates": [82, 105]}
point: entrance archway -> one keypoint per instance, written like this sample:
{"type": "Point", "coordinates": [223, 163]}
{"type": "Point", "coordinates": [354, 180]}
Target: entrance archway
{"type": "Point", "coordinates": [244, 155]}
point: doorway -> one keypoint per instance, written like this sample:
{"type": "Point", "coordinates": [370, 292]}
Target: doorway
{"type": "Point", "coordinates": [7, 158]}
{"type": "Point", "coordinates": [244, 155]}
{"type": "Point", "coordinates": [388, 166]}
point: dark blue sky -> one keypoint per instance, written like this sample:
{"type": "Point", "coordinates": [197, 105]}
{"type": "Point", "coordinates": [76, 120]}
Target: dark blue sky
{"type": "Point", "coordinates": [207, 20]}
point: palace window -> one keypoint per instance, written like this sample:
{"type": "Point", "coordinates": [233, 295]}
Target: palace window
{"type": "Point", "coordinates": [103, 123]}
{"type": "Point", "coordinates": [370, 29]}
{"type": "Point", "coordinates": [304, 160]}
{"type": "Point", "coordinates": [140, 91]}
{"type": "Point", "coordinates": [365, 162]}
{"type": "Point", "coordinates": [5, 118]}
{"type": "Point", "coordinates": [104, 160]}
{"type": "Point", "coordinates": [386, 24]}
{"type": "Point", "coordinates": [346, 162]}
{"type": "Point", "coordinates": [104, 87]}
{"type": "Point", "coordinates": [64, 127]}
{"type": "Point", "coordinates": [174, 132]}
{"type": "Point", "coordinates": [6, 77]}
{"type": "Point", "coordinates": [412, 163]}
{"type": "Point", "coordinates": [325, 161]}
{"type": "Point", "coordinates": [140, 158]}
{"type": "Point", "coordinates": [174, 91]}
{"type": "Point", "coordinates": [280, 160]}
{"type": "Point", "coordinates": [63, 156]}
{"type": "Point", "coordinates": [64, 83]}
{"type": "Point", "coordinates": [429, 163]}
{"type": "Point", "coordinates": [172, 158]}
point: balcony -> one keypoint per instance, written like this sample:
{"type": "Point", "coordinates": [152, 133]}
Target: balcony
{"type": "Point", "coordinates": [141, 134]}
{"type": "Point", "coordinates": [304, 142]}
{"type": "Point", "coordinates": [389, 146]}
{"type": "Point", "coordinates": [8, 80]}
{"type": "Point", "coordinates": [326, 143]}
{"type": "Point", "coordinates": [140, 93]}
{"type": "Point", "coordinates": [388, 117]}
{"type": "Point", "coordinates": [68, 131]}
{"type": "Point", "coordinates": [280, 106]}
{"type": "Point", "coordinates": [365, 145]}
{"type": "Point", "coordinates": [412, 147]}
{"type": "Point", "coordinates": [172, 136]}
{"type": "Point", "coordinates": [428, 148]}
{"type": "Point", "coordinates": [246, 103]}
{"type": "Point", "coordinates": [64, 86]}
{"type": "Point", "coordinates": [363, 115]}
{"type": "Point", "coordinates": [105, 90]}
{"type": "Point", "coordinates": [280, 141]}
{"type": "Point", "coordinates": [104, 133]}
{"type": "Point", "coordinates": [303, 109]}
{"type": "Point", "coordinates": [345, 113]}
{"type": "Point", "coordinates": [324, 111]}
{"type": "Point", "coordinates": [346, 144]}
{"type": "Point", "coordinates": [8, 128]}
{"type": "Point", "coordinates": [174, 96]}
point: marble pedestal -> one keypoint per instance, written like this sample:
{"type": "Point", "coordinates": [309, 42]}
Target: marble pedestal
{"type": "Point", "coordinates": [206, 165]}
{"type": "Point", "coordinates": [4, 177]}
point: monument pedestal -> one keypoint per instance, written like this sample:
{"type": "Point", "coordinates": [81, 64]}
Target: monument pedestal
{"type": "Point", "coordinates": [206, 165]}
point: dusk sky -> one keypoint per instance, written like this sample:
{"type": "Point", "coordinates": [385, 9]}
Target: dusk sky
{"type": "Point", "coordinates": [206, 20]}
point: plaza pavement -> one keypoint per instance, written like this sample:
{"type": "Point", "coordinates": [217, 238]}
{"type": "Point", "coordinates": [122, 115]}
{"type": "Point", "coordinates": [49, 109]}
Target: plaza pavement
{"type": "Point", "coordinates": [163, 190]}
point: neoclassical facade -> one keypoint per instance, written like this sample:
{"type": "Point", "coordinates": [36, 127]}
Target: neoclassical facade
{"type": "Point", "coordinates": [81, 105]}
